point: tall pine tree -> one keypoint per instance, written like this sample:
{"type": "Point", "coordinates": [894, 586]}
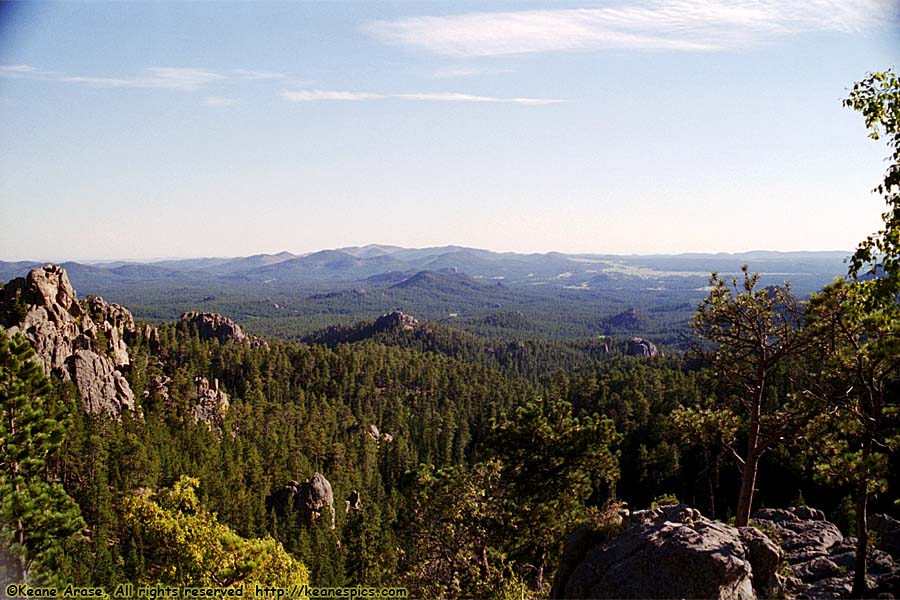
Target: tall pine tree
{"type": "Point", "coordinates": [36, 515]}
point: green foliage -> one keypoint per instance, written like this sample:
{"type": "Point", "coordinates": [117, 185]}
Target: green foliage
{"type": "Point", "coordinates": [552, 463]}
{"type": "Point", "coordinates": [877, 97]}
{"type": "Point", "coordinates": [706, 426]}
{"type": "Point", "coordinates": [453, 544]}
{"type": "Point", "coordinates": [606, 520]}
{"type": "Point", "coordinates": [859, 355]}
{"type": "Point", "coordinates": [473, 492]}
{"type": "Point", "coordinates": [749, 333]}
{"type": "Point", "coordinates": [664, 500]}
{"type": "Point", "coordinates": [36, 515]}
{"type": "Point", "coordinates": [184, 544]}
{"type": "Point", "coordinates": [845, 515]}
{"type": "Point", "coordinates": [855, 325]}
{"type": "Point", "coordinates": [16, 307]}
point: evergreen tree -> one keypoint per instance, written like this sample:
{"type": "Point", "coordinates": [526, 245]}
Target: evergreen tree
{"type": "Point", "coordinates": [36, 514]}
{"type": "Point", "coordinates": [454, 534]}
{"type": "Point", "coordinates": [875, 271]}
{"type": "Point", "coordinates": [859, 360]}
{"type": "Point", "coordinates": [552, 463]}
{"type": "Point", "coordinates": [750, 332]}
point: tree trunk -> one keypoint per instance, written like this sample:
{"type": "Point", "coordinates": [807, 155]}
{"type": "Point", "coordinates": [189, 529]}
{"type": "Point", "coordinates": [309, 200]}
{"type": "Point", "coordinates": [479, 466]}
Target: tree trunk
{"type": "Point", "coordinates": [862, 529]}
{"type": "Point", "coordinates": [748, 483]}
{"type": "Point", "coordinates": [540, 572]}
{"type": "Point", "coordinates": [751, 462]}
{"type": "Point", "coordinates": [862, 543]}
{"type": "Point", "coordinates": [485, 566]}
{"type": "Point", "coordinates": [21, 561]}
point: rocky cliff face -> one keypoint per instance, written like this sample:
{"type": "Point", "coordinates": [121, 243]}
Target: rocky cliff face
{"type": "Point", "coordinates": [641, 347]}
{"type": "Point", "coordinates": [395, 320]}
{"type": "Point", "coordinates": [821, 559]}
{"type": "Point", "coordinates": [308, 499]}
{"type": "Point", "coordinates": [887, 531]}
{"type": "Point", "coordinates": [215, 326]}
{"type": "Point", "coordinates": [80, 342]}
{"type": "Point", "coordinates": [212, 403]}
{"type": "Point", "coordinates": [675, 552]}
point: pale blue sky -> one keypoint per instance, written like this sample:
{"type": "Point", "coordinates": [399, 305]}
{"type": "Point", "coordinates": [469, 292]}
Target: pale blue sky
{"type": "Point", "coordinates": [140, 130]}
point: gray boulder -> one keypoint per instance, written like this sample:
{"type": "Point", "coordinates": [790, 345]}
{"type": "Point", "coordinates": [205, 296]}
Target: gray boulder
{"type": "Point", "coordinates": [887, 530]}
{"type": "Point", "coordinates": [765, 558]}
{"type": "Point", "coordinates": [820, 559]}
{"type": "Point", "coordinates": [308, 499]}
{"type": "Point", "coordinates": [641, 347]}
{"type": "Point", "coordinates": [667, 552]}
{"type": "Point", "coordinates": [803, 532]}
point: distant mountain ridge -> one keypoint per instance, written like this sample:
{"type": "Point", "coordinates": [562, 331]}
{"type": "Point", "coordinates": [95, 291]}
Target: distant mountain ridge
{"type": "Point", "coordinates": [373, 264]}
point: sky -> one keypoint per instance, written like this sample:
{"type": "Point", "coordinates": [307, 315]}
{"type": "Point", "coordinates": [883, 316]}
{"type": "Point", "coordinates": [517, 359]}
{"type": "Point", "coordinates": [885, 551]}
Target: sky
{"type": "Point", "coordinates": [145, 130]}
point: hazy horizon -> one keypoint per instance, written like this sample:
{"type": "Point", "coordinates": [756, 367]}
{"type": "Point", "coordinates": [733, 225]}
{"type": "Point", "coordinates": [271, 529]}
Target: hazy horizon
{"type": "Point", "coordinates": [142, 130]}
{"type": "Point", "coordinates": [153, 259]}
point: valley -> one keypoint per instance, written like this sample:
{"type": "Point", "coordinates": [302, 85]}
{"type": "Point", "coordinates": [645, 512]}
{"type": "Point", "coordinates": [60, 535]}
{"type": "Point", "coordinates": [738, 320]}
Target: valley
{"type": "Point", "coordinates": [545, 296]}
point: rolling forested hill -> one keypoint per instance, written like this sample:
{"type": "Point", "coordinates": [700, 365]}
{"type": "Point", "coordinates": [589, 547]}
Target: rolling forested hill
{"type": "Point", "coordinates": [340, 454]}
{"type": "Point", "coordinates": [522, 295]}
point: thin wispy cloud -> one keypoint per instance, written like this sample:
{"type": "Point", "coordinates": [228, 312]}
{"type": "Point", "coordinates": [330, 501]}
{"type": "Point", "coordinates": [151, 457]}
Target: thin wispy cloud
{"type": "Point", "coordinates": [314, 95]}
{"type": "Point", "coordinates": [458, 71]}
{"type": "Point", "coordinates": [169, 78]}
{"type": "Point", "coordinates": [324, 95]}
{"type": "Point", "coordinates": [162, 78]}
{"type": "Point", "coordinates": [219, 101]}
{"type": "Point", "coordinates": [257, 74]}
{"type": "Point", "coordinates": [21, 69]}
{"type": "Point", "coordinates": [192, 80]}
{"type": "Point", "coordinates": [662, 25]}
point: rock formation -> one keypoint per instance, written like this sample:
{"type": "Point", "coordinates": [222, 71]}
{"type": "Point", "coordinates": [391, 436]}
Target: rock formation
{"type": "Point", "coordinates": [887, 530]}
{"type": "Point", "coordinates": [820, 558]}
{"type": "Point", "coordinates": [395, 320]}
{"type": "Point", "coordinates": [641, 347]}
{"type": "Point", "coordinates": [212, 403]}
{"type": "Point", "coordinates": [80, 343]}
{"type": "Point", "coordinates": [157, 390]}
{"type": "Point", "coordinates": [372, 431]}
{"type": "Point", "coordinates": [308, 499]}
{"type": "Point", "coordinates": [674, 552]}
{"type": "Point", "coordinates": [667, 552]}
{"type": "Point", "coordinates": [151, 334]}
{"type": "Point", "coordinates": [102, 387]}
{"type": "Point", "coordinates": [215, 326]}
{"type": "Point", "coordinates": [115, 321]}
{"type": "Point", "coordinates": [352, 502]}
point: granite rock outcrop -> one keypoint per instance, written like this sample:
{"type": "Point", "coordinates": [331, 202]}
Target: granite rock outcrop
{"type": "Point", "coordinates": [308, 499]}
{"type": "Point", "coordinates": [674, 551]}
{"type": "Point", "coordinates": [641, 347]}
{"type": "Point", "coordinates": [212, 404]}
{"type": "Point", "coordinates": [667, 552]}
{"type": "Point", "coordinates": [82, 342]}
{"type": "Point", "coordinates": [212, 325]}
